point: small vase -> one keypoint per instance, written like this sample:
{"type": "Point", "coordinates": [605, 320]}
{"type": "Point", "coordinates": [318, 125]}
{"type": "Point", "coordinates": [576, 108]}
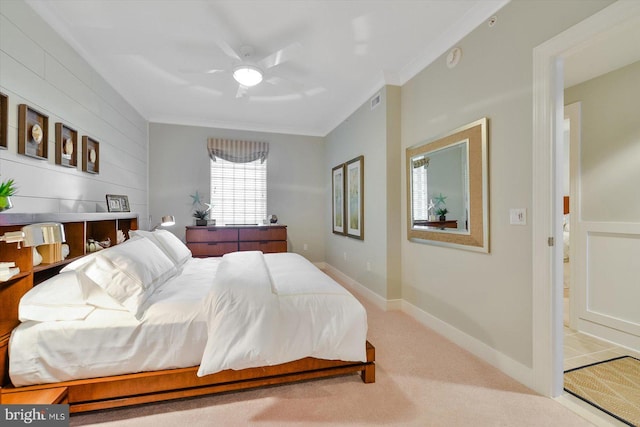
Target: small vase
{"type": "Point", "coordinates": [201, 222]}
{"type": "Point", "coordinates": [443, 218]}
{"type": "Point", "coordinates": [5, 203]}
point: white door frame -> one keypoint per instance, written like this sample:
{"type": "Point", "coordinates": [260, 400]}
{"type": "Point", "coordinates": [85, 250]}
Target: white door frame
{"type": "Point", "coordinates": [547, 195]}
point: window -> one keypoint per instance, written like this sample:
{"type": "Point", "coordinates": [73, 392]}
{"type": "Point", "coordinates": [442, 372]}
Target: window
{"type": "Point", "coordinates": [239, 191]}
{"type": "Point", "coordinates": [420, 205]}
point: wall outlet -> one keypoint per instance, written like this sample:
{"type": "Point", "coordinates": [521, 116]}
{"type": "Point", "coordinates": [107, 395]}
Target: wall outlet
{"type": "Point", "coordinates": [344, 255]}
{"type": "Point", "coordinates": [368, 265]}
{"type": "Point", "coordinates": [518, 216]}
{"type": "Point", "coordinates": [305, 247]}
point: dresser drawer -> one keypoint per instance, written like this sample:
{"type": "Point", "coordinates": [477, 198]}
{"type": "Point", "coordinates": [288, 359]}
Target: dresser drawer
{"type": "Point", "coordinates": [212, 248]}
{"type": "Point", "coordinates": [211, 234]}
{"type": "Point", "coordinates": [265, 246]}
{"type": "Point", "coordinates": [263, 233]}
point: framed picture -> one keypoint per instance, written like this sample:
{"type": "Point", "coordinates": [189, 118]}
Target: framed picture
{"type": "Point", "coordinates": [66, 143]}
{"type": "Point", "coordinates": [354, 175]}
{"type": "Point", "coordinates": [4, 120]}
{"type": "Point", "coordinates": [118, 203]}
{"type": "Point", "coordinates": [337, 199]}
{"type": "Point", "coordinates": [91, 155]}
{"type": "Point", "coordinates": [33, 132]}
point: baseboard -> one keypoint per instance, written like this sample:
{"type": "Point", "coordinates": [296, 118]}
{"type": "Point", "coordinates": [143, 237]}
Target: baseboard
{"type": "Point", "coordinates": [504, 363]}
{"type": "Point", "coordinates": [360, 289]}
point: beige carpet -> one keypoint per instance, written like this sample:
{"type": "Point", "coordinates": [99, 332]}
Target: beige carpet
{"type": "Point", "coordinates": [612, 385]}
{"type": "Point", "coordinates": [422, 379]}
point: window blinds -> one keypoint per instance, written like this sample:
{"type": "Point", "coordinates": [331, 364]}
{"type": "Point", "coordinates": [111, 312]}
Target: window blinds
{"type": "Point", "coordinates": [238, 189]}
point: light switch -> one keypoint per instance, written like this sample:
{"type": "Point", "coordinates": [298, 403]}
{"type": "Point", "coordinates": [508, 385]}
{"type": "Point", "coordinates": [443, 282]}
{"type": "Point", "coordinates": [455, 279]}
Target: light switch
{"type": "Point", "coordinates": [518, 216]}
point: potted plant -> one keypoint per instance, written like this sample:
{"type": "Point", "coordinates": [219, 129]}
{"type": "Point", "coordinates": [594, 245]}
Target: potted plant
{"type": "Point", "coordinates": [442, 212]}
{"type": "Point", "coordinates": [7, 189]}
{"type": "Point", "coordinates": [201, 216]}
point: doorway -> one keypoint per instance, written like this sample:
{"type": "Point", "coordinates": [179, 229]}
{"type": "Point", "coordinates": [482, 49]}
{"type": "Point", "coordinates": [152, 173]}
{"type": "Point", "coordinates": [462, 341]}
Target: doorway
{"type": "Point", "coordinates": [547, 194]}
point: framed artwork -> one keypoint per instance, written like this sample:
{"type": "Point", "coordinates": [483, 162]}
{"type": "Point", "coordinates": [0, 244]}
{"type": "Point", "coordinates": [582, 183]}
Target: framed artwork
{"type": "Point", "coordinates": [91, 155]}
{"type": "Point", "coordinates": [33, 132]}
{"type": "Point", "coordinates": [337, 199]}
{"type": "Point", "coordinates": [118, 203]}
{"type": "Point", "coordinates": [354, 188]}
{"type": "Point", "coordinates": [4, 120]}
{"type": "Point", "coordinates": [66, 143]}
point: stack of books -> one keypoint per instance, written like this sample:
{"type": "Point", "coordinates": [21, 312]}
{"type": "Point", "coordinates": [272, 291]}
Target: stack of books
{"type": "Point", "coordinates": [7, 270]}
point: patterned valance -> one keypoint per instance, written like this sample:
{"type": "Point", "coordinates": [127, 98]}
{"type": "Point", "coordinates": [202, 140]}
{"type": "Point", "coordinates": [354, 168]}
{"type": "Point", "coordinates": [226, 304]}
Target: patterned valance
{"type": "Point", "coordinates": [237, 151]}
{"type": "Point", "coordinates": [418, 163]}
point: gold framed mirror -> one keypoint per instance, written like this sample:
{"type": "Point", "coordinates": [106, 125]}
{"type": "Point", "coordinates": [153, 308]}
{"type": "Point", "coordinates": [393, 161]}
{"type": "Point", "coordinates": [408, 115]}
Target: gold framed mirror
{"type": "Point", "coordinates": [448, 189]}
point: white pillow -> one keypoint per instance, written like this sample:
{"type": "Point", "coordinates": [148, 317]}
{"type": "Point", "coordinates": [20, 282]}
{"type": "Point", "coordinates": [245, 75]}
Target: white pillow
{"type": "Point", "coordinates": [128, 272]}
{"type": "Point", "coordinates": [173, 247]}
{"type": "Point", "coordinates": [61, 297]}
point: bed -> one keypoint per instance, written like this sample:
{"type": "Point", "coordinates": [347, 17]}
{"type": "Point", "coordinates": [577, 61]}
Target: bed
{"type": "Point", "coordinates": [157, 324]}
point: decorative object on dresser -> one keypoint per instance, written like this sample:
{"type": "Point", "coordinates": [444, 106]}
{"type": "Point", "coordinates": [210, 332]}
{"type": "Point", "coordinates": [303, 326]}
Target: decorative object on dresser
{"type": "Point", "coordinates": [273, 219]}
{"type": "Point", "coordinates": [117, 203]}
{"type": "Point", "coordinates": [217, 241]}
{"type": "Point", "coordinates": [91, 156]}
{"type": "Point", "coordinates": [4, 120]}
{"type": "Point", "coordinates": [200, 213]}
{"type": "Point", "coordinates": [33, 132]}
{"type": "Point", "coordinates": [354, 210]}
{"type": "Point", "coordinates": [201, 216]}
{"type": "Point", "coordinates": [66, 143]}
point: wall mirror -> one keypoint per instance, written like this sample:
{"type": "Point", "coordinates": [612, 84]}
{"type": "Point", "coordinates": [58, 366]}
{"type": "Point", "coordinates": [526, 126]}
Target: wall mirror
{"type": "Point", "coordinates": [448, 189]}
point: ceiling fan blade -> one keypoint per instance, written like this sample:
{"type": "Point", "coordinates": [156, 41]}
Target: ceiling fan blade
{"type": "Point", "coordinates": [280, 56]}
{"type": "Point", "coordinates": [228, 50]}
{"type": "Point", "coordinates": [200, 71]}
{"type": "Point", "coordinates": [242, 91]}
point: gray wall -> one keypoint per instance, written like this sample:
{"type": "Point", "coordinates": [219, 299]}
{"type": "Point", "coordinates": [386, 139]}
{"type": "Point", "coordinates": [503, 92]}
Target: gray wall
{"type": "Point", "coordinates": [296, 180]}
{"type": "Point", "coordinates": [39, 69]}
{"type": "Point", "coordinates": [610, 145]}
{"type": "Point", "coordinates": [487, 296]}
{"type": "Point", "coordinates": [374, 261]}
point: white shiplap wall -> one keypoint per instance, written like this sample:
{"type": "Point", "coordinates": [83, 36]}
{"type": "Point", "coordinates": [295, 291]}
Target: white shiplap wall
{"type": "Point", "coordinates": [38, 68]}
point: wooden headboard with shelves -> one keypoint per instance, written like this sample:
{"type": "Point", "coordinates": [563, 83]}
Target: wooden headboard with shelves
{"type": "Point", "coordinates": [78, 228]}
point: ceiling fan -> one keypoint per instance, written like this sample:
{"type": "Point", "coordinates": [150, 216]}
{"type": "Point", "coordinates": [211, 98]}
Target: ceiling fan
{"type": "Point", "coordinates": [249, 72]}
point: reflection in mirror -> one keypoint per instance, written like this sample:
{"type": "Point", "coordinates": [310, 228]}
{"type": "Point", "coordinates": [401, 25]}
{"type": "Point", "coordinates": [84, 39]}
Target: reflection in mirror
{"type": "Point", "coordinates": [447, 183]}
{"type": "Point", "coordinates": [440, 198]}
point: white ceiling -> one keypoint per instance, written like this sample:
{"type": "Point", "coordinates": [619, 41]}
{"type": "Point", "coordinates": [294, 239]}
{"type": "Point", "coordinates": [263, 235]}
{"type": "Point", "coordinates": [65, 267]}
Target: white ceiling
{"type": "Point", "coordinates": [336, 54]}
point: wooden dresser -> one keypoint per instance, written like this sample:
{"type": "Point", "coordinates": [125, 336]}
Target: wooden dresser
{"type": "Point", "coordinates": [206, 241]}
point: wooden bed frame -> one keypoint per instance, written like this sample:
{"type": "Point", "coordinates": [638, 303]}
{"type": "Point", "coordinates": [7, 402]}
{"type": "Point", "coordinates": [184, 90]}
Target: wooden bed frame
{"type": "Point", "coordinates": [144, 387]}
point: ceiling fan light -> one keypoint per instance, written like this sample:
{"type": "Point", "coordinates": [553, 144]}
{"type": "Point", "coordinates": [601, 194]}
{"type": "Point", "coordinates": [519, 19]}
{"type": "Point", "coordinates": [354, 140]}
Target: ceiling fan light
{"type": "Point", "coordinates": [247, 75]}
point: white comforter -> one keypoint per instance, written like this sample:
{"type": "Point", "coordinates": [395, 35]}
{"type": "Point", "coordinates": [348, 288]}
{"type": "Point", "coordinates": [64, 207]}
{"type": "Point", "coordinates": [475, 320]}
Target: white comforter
{"type": "Point", "coordinates": [209, 315]}
{"type": "Point", "coordinates": [267, 310]}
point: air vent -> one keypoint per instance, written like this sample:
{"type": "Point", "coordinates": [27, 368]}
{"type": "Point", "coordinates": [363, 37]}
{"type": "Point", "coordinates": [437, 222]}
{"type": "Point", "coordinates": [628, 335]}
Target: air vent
{"type": "Point", "coordinates": [375, 101]}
